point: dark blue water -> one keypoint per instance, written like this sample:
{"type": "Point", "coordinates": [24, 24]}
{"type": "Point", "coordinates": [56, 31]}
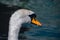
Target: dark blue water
{"type": "Point", "coordinates": [48, 14]}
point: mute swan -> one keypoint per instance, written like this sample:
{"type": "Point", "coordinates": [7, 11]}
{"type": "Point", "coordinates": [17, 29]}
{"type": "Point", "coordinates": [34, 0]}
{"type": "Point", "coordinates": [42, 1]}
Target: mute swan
{"type": "Point", "coordinates": [17, 19]}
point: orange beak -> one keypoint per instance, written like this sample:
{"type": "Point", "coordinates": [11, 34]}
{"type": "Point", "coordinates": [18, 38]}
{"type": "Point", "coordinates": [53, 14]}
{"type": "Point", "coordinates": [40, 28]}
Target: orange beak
{"type": "Point", "coordinates": [36, 22]}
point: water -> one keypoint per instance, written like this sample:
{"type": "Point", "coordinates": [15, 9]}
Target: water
{"type": "Point", "coordinates": [47, 13]}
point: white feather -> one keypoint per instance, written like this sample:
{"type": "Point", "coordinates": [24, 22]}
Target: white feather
{"type": "Point", "coordinates": [16, 20]}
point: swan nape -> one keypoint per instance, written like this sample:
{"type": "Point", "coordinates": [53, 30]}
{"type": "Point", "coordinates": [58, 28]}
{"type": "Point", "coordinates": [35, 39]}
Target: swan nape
{"type": "Point", "coordinates": [17, 19]}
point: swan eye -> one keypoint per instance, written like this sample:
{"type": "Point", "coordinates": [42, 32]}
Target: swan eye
{"type": "Point", "coordinates": [32, 16]}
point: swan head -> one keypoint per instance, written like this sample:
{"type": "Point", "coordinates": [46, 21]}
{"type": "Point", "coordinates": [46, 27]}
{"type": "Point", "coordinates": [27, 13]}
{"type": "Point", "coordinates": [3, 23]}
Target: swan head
{"type": "Point", "coordinates": [28, 16]}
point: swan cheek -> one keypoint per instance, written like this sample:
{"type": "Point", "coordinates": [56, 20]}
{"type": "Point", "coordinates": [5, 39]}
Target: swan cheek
{"type": "Point", "coordinates": [27, 20]}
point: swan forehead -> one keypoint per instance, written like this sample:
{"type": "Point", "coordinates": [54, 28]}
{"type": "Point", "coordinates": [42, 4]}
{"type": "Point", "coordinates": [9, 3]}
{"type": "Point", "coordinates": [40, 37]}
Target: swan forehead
{"type": "Point", "coordinates": [25, 12]}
